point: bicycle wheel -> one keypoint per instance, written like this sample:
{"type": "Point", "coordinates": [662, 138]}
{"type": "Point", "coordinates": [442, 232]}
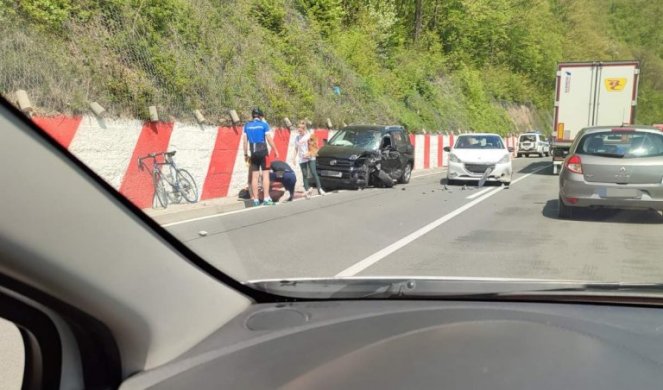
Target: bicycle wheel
{"type": "Point", "coordinates": [159, 190]}
{"type": "Point", "coordinates": [187, 185]}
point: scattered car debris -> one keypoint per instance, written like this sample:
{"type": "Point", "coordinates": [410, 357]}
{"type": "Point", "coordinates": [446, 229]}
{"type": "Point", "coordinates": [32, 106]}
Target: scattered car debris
{"type": "Point", "coordinates": [483, 179]}
{"type": "Point", "coordinates": [202, 233]}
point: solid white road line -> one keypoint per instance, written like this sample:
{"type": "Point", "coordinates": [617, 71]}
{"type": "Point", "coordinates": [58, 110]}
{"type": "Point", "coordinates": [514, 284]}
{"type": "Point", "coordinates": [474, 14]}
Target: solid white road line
{"type": "Point", "coordinates": [478, 194]}
{"type": "Point", "coordinates": [381, 254]}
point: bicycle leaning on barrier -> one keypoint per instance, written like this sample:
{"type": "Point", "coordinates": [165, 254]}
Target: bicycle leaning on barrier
{"type": "Point", "coordinates": [166, 175]}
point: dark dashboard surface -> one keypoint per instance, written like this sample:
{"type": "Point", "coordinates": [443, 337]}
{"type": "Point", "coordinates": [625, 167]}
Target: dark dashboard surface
{"type": "Point", "coordinates": [408, 345]}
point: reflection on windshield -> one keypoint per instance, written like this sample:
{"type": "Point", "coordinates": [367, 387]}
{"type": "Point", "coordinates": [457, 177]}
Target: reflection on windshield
{"type": "Point", "coordinates": [365, 139]}
{"type": "Point", "coordinates": [622, 144]}
{"type": "Point", "coordinates": [267, 103]}
{"type": "Point", "coordinates": [479, 142]}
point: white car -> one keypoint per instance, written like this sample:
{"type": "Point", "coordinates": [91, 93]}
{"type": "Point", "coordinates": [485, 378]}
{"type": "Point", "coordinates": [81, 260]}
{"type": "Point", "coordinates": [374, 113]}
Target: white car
{"type": "Point", "coordinates": [532, 143]}
{"type": "Point", "coordinates": [479, 156]}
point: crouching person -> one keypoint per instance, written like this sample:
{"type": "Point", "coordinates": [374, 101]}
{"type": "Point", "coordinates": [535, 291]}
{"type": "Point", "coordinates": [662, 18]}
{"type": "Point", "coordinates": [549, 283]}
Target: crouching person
{"type": "Point", "coordinates": [282, 173]}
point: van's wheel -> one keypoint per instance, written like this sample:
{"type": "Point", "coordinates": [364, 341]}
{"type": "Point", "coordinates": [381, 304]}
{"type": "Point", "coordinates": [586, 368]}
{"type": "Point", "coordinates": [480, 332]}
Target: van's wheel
{"type": "Point", "coordinates": [519, 155]}
{"type": "Point", "coordinates": [564, 211]}
{"type": "Point", "coordinates": [407, 174]}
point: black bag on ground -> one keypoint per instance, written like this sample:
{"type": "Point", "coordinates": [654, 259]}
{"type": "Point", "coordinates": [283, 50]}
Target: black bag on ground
{"type": "Point", "coordinates": [259, 149]}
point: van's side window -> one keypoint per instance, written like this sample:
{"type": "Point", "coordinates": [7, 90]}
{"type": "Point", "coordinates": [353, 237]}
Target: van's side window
{"type": "Point", "coordinates": [398, 138]}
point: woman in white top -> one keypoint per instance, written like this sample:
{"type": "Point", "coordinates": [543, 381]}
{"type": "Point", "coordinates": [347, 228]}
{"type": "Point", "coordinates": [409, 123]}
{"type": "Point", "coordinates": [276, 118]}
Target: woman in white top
{"type": "Point", "coordinates": [306, 159]}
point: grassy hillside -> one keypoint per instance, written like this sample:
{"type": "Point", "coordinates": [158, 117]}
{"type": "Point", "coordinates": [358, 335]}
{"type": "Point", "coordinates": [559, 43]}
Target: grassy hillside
{"type": "Point", "coordinates": [451, 64]}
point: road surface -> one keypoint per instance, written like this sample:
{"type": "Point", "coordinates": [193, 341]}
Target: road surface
{"type": "Point", "coordinates": [423, 229]}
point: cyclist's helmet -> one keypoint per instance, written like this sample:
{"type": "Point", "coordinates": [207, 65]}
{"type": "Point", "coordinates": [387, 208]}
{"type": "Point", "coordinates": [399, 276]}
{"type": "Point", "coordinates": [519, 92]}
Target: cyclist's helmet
{"type": "Point", "coordinates": [257, 113]}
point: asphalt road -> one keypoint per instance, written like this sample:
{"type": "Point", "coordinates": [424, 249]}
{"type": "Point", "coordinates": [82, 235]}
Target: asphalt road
{"type": "Point", "coordinates": [423, 229]}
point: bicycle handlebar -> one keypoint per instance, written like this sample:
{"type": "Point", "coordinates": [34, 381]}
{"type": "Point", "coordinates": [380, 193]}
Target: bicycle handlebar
{"type": "Point", "coordinates": [154, 156]}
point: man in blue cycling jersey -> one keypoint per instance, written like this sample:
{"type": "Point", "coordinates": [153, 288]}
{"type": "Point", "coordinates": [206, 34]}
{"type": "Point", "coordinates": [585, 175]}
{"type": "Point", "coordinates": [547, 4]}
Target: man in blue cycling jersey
{"type": "Point", "coordinates": [255, 139]}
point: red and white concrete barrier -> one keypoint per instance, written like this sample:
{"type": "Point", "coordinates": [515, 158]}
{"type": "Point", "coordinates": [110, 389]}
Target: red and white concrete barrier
{"type": "Point", "coordinates": [213, 155]}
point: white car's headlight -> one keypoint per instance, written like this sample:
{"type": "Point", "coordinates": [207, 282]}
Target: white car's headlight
{"type": "Point", "coordinates": [505, 159]}
{"type": "Point", "coordinates": [453, 158]}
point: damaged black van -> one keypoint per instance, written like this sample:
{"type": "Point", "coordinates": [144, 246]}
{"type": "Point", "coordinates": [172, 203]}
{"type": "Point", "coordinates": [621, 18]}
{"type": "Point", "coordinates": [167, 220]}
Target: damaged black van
{"type": "Point", "coordinates": [358, 156]}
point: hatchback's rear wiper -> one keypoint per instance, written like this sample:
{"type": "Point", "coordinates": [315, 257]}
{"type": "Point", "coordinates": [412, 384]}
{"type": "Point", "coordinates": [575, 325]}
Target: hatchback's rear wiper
{"type": "Point", "coordinates": [605, 154]}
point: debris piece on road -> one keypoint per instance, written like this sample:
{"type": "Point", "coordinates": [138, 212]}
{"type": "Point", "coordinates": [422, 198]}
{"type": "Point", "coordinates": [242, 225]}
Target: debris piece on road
{"type": "Point", "coordinates": [403, 189]}
{"type": "Point", "coordinates": [483, 179]}
{"type": "Point", "coordinates": [202, 233]}
{"type": "Point", "coordinates": [445, 187]}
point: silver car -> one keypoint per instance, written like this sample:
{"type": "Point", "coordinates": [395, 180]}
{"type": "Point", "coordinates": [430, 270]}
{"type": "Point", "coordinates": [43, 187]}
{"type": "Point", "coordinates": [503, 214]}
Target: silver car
{"type": "Point", "coordinates": [620, 167]}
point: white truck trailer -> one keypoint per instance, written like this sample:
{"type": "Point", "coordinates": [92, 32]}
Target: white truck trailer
{"type": "Point", "coordinates": [592, 94]}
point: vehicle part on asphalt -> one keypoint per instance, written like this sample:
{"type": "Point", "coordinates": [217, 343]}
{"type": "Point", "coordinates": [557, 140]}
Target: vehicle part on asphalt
{"type": "Point", "coordinates": [482, 181]}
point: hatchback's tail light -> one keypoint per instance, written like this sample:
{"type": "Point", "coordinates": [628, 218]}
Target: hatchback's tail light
{"type": "Point", "coordinates": [574, 164]}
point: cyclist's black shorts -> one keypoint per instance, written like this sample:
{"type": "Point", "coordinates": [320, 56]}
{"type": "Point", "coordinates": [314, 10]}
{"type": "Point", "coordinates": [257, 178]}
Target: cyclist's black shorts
{"type": "Point", "coordinates": [258, 163]}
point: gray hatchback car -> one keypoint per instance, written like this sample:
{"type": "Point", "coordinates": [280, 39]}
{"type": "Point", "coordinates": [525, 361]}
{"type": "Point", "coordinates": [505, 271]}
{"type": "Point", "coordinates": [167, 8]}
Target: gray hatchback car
{"type": "Point", "coordinates": [620, 167]}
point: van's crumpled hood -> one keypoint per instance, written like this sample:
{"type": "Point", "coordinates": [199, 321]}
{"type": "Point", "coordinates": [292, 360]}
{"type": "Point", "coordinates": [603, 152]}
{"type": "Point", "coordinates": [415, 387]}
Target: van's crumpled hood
{"type": "Point", "coordinates": [480, 156]}
{"type": "Point", "coordinates": [340, 151]}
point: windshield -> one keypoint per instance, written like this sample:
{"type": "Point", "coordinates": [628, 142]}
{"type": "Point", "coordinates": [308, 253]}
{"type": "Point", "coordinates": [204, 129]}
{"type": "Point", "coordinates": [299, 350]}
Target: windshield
{"type": "Point", "coordinates": [364, 139]}
{"type": "Point", "coordinates": [479, 142]}
{"type": "Point", "coordinates": [242, 129]}
{"type": "Point", "coordinates": [631, 144]}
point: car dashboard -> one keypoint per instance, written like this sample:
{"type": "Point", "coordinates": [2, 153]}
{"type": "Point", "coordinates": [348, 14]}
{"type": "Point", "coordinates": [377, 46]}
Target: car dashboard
{"type": "Point", "coordinates": [424, 344]}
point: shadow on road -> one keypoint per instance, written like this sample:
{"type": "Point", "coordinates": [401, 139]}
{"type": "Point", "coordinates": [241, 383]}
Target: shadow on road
{"type": "Point", "coordinates": [536, 165]}
{"type": "Point", "coordinates": [470, 183]}
{"type": "Point", "coordinates": [605, 215]}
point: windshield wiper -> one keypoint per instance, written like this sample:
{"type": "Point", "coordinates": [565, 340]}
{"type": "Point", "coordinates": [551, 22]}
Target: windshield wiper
{"type": "Point", "coordinates": [416, 288]}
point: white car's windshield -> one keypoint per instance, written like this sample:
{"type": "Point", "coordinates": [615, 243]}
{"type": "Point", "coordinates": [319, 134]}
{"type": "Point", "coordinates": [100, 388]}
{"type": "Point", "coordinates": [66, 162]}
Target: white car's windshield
{"type": "Point", "coordinates": [479, 142]}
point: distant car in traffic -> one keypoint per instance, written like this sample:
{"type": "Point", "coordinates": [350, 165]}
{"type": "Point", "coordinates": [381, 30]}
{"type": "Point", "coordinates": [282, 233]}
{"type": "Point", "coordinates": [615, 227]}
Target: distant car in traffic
{"type": "Point", "coordinates": [532, 143]}
{"type": "Point", "coordinates": [361, 155]}
{"type": "Point", "coordinates": [479, 156]}
{"type": "Point", "coordinates": [620, 167]}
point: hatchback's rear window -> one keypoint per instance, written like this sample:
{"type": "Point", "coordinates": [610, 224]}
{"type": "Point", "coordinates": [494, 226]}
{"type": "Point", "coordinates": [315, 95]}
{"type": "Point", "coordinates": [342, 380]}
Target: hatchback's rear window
{"type": "Point", "coordinates": [527, 138]}
{"type": "Point", "coordinates": [626, 144]}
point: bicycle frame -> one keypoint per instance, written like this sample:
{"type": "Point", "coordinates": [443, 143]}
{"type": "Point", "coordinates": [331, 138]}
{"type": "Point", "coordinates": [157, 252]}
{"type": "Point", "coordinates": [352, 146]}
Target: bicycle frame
{"type": "Point", "coordinates": [171, 176]}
